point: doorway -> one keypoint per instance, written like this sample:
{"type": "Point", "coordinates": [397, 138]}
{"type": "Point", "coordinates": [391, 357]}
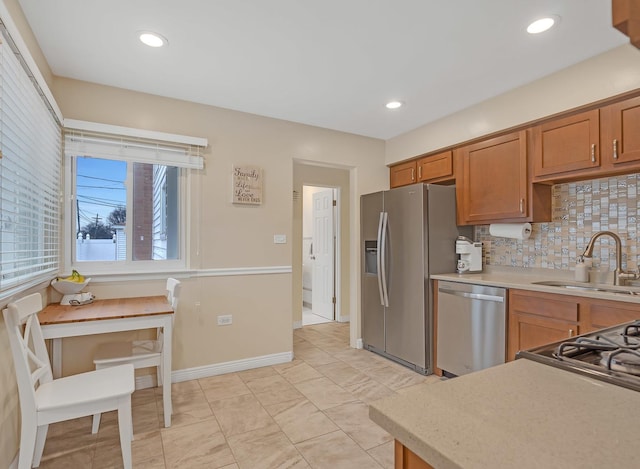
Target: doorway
{"type": "Point", "coordinates": [319, 253]}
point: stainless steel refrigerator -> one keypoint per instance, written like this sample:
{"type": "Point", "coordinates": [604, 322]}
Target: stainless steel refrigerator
{"type": "Point", "coordinates": [407, 234]}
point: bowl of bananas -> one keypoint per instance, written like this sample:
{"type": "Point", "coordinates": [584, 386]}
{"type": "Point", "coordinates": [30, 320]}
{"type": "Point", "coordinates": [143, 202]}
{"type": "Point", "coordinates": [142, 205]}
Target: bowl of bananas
{"type": "Point", "coordinates": [70, 285]}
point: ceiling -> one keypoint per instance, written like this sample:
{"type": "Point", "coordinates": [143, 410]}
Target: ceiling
{"type": "Point", "coordinates": [328, 63]}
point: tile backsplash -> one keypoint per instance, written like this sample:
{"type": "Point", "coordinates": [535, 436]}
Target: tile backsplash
{"type": "Point", "coordinates": [580, 209]}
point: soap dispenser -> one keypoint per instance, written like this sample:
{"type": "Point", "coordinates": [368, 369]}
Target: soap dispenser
{"type": "Point", "coordinates": [582, 270]}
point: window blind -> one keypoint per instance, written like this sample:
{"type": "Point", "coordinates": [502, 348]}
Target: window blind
{"type": "Point", "coordinates": [132, 149]}
{"type": "Point", "coordinates": [30, 146]}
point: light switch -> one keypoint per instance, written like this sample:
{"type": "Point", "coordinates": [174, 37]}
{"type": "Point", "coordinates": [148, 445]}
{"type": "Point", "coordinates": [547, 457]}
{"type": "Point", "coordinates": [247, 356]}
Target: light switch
{"type": "Point", "coordinates": [279, 239]}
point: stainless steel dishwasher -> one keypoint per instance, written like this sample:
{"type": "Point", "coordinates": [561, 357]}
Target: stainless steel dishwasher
{"type": "Point", "coordinates": [471, 327]}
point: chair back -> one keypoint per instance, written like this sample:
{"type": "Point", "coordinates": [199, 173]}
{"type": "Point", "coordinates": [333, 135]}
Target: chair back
{"type": "Point", "coordinates": [30, 356]}
{"type": "Point", "coordinates": [173, 292]}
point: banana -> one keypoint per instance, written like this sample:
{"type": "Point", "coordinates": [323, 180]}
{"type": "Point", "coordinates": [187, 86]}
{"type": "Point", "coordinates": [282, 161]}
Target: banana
{"type": "Point", "coordinates": [75, 277]}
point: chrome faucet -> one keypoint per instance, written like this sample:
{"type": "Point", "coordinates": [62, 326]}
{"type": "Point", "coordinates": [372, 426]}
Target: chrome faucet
{"type": "Point", "coordinates": [619, 276]}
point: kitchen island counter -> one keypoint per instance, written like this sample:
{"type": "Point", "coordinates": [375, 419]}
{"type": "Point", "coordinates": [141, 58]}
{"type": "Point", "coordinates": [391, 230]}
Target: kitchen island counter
{"type": "Point", "coordinates": [522, 414]}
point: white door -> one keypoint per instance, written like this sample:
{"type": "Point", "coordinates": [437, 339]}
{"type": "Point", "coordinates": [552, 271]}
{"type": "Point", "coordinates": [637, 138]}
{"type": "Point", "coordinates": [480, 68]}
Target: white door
{"type": "Point", "coordinates": [322, 293]}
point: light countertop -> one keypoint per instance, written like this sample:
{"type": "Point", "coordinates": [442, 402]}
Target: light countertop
{"type": "Point", "coordinates": [522, 414]}
{"type": "Point", "coordinates": [520, 278]}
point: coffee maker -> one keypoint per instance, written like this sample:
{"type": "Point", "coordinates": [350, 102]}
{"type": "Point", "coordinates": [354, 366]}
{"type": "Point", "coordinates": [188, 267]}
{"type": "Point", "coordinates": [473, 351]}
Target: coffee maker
{"type": "Point", "coordinates": [470, 253]}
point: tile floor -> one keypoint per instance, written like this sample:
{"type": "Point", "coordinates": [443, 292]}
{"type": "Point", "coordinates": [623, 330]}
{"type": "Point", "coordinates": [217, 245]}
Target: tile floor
{"type": "Point", "coordinates": [309, 413]}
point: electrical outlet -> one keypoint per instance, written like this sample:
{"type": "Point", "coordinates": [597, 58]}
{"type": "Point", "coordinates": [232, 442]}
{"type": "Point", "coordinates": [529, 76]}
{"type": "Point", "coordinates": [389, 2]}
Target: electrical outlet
{"type": "Point", "coordinates": [225, 320]}
{"type": "Point", "coordinates": [197, 307]}
{"type": "Point", "coordinates": [280, 239]}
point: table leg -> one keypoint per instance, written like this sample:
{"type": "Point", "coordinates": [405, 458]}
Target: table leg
{"type": "Point", "coordinates": [56, 359]}
{"type": "Point", "coordinates": [166, 372]}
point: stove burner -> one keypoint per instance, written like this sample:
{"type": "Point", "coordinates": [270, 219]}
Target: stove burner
{"type": "Point", "coordinates": [627, 361]}
{"type": "Point", "coordinates": [611, 355]}
{"type": "Point", "coordinates": [618, 351]}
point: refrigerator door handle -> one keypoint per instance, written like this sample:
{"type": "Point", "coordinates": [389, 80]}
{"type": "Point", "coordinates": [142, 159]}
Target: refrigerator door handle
{"type": "Point", "coordinates": [382, 251]}
{"type": "Point", "coordinates": [378, 257]}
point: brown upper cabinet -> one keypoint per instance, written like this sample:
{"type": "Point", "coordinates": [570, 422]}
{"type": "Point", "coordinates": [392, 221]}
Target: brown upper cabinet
{"type": "Point", "coordinates": [568, 144]}
{"type": "Point", "coordinates": [625, 16]}
{"type": "Point", "coordinates": [436, 168]}
{"type": "Point", "coordinates": [492, 181]}
{"type": "Point", "coordinates": [621, 133]}
{"type": "Point", "coordinates": [592, 144]}
{"type": "Point", "coordinates": [508, 178]}
{"type": "Point", "coordinates": [432, 168]}
{"type": "Point", "coordinates": [402, 174]}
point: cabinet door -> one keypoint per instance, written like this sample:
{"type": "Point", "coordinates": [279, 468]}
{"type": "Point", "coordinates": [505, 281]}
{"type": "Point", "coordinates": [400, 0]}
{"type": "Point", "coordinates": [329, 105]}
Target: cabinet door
{"type": "Point", "coordinates": [568, 144]}
{"type": "Point", "coordinates": [494, 180]}
{"type": "Point", "coordinates": [407, 459]}
{"type": "Point", "coordinates": [609, 313]}
{"type": "Point", "coordinates": [436, 168]}
{"type": "Point", "coordinates": [527, 331]}
{"type": "Point", "coordinates": [537, 319]}
{"type": "Point", "coordinates": [402, 174]}
{"type": "Point", "coordinates": [621, 132]}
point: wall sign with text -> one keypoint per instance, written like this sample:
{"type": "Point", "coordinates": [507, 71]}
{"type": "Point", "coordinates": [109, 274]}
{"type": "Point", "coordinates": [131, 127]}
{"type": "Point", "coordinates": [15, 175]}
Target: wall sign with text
{"type": "Point", "coordinates": [247, 185]}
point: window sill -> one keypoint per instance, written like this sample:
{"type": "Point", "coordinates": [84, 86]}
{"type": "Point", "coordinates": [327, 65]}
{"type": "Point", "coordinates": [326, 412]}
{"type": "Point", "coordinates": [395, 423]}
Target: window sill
{"type": "Point", "coordinates": [128, 275]}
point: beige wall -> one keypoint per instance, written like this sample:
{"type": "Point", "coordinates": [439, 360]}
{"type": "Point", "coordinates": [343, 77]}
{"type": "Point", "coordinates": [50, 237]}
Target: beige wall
{"type": "Point", "coordinates": [224, 235]}
{"type": "Point", "coordinates": [221, 235]}
{"type": "Point", "coordinates": [609, 74]}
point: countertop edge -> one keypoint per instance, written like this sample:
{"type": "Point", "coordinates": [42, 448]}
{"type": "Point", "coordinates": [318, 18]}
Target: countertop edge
{"type": "Point", "coordinates": [523, 279]}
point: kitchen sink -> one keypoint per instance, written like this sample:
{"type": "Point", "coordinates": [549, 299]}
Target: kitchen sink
{"type": "Point", "coordinates": [590, 287]}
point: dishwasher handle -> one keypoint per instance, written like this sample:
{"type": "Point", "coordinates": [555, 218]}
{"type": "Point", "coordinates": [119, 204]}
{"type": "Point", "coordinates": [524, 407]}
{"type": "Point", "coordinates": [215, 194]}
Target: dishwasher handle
{"type": "Point", "coordinates": [473, 296]}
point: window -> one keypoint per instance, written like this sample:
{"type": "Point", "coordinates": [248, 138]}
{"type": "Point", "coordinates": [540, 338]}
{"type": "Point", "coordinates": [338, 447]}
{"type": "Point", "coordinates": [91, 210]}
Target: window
{"type": "Point", "coordinates": [103, 202]}
{"type": "Point", "coordinates": [127, 202]}
{"type": "Point", "coordinates": [30, 146]}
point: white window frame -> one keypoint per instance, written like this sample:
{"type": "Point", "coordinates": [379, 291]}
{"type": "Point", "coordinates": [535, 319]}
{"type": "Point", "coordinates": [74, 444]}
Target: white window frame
{"type": "Point", "coordinates": [127, 267]}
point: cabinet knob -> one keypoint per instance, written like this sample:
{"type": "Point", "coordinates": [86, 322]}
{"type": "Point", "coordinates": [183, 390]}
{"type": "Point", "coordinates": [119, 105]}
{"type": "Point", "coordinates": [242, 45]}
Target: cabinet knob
{"type": "Point", "coordinates": [521, 205]}
{"type": "Point", "coordinates": [413, 174]}
{"type": "Point", "coordinates": [593, 152]}
{"type": "Point", "coordinates": [420, 172]}
{"type": "Point", "coordinates": [570, 332]}
{"type": "Point", "coordinates": [615, 148]}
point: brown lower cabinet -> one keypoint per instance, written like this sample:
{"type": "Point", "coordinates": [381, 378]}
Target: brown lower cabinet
{"type": "Point", "coordinates": [407, 459]}
{"type": "Point", "coordinates": [537, 318]}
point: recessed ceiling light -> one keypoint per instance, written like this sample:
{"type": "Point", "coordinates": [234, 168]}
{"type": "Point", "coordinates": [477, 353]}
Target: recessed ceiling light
{"type": "Point", "coordinates": [152, 39]}
{"type": "Point", "coordinates": [543, 24]}
{"type": "Point", "coordinates": [394, 104]}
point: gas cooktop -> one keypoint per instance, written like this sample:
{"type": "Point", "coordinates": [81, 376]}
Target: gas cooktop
{"type": "Point", "coordinates": [611, 355]}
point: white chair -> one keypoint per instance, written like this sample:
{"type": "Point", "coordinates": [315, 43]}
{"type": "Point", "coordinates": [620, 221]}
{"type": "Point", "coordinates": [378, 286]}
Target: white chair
{"type": "Point", "coordinates": [139, 353]}
{"type": "Point", "coordinates": [44, 400]}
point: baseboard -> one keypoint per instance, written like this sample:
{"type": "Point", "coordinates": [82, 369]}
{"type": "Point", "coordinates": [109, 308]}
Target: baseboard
{"type": "Point", "coordinates": [359, 344]}
{"type": "Point", "coordinates": [149, 381]}
{"type": "Point", "coordinates": [230, 367]}
{"type": "Point", "coordinates": [344, 318]}
{"type": "Point", "coordinates": [14, 463]}
{"type": "Point", "coordinates": [297, 324]}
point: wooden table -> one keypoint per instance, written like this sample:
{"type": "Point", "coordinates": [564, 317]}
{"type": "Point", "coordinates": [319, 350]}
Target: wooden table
{"type": "Point", "coordinates": [112, 315]}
